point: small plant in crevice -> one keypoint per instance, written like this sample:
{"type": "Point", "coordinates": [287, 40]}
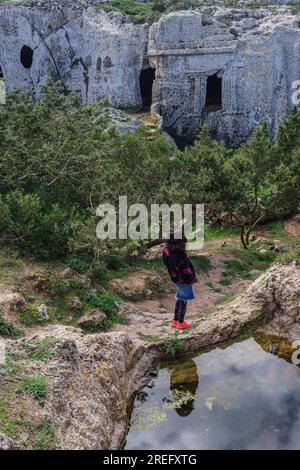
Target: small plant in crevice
{"type": "Point", "coordinates": [43, 349]}
{"type": "Point", "coordinates": [34, 386]}
{"type": "Point", "coordinates": [173, 345]}
{"type": "Point", "coordinates": [246, 333]}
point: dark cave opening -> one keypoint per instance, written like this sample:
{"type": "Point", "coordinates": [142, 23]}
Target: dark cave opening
{"type": "Point", "coordinates": [1, 73]}
{"type": "Point", "coordinates": [26, 57]}
{"type": "Point", "coordinates": [147, 78]}
{"type": "Point", "coordinates": [213, 94]}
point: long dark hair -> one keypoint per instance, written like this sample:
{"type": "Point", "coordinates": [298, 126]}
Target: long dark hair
{"type": "Point", "coordinates": [176, 244]}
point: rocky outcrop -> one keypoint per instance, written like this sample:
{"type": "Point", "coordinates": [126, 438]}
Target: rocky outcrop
{"type": "Point", "coordinates": [91, 378]}
{"type": "Point", "coordinates": [143, 284]}
{"type": "Point", "coordinates": [5, 442]}
{"type": "Point", "coordinates": [11, 301]}
{"type": "Point", "coordinates": [271, 303]}
{"type": "Point", "coordinates": [92, 319]}
{"type": "Point", "coordinates": [228, 67]}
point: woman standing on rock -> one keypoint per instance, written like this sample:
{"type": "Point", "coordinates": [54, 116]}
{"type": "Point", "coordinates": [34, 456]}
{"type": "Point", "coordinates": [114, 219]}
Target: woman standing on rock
{"type": "Point", "coordinates": [182, 273]}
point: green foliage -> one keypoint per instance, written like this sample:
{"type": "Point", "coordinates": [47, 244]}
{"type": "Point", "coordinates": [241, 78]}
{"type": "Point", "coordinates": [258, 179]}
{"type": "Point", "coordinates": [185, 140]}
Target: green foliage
{"type": "Point", "coordinates": [34, 386]}
{"type": "Point", "coordinates": [54, 169]}
{"type": "Point", "coordinates": [219, 231]}
{"type": "Point", "coordinates": [172, 346]}
{"type": "Point", "coordinates": [106, 303]}
{"type": "Point", "coordinates": [9, 330]}
{"type": "Point", "coordinates": [225, 282]}
{"type": "Point", "coordinates": [246, 333]}
{"type": "Point", "coordinates": [45, 438]}
{"type": "Point", "coordinates": [150, 11]}
{"type": "Point", "coordinates": [247, 184]}
{"type": "Point", "coordinates": [235, 267]}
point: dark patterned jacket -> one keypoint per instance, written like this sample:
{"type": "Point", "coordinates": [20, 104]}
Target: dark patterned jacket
{"type": "Point", "coordinates": [179, 266]}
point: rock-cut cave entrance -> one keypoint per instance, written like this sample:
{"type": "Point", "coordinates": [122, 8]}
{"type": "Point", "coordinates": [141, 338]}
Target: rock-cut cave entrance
{"type": "Point", "coordinates": [213, 93]}
{"type": "Point", "coordinates": [1, 73]}
{"type": "Point", "coordinates": [147, 78]}
{"type": "Point", "coordinates": [26, 57]}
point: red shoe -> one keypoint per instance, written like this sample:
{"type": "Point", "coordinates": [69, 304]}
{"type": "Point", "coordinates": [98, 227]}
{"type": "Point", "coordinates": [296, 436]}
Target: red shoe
{"type": "Point", "coordinates": [174, 323]}
{"type": "Point", "coordinates": [183, 326]}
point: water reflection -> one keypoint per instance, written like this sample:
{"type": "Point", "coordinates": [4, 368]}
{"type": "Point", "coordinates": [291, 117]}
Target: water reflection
{"type": "Point", "coordinates": [235, 398]}
{"type": "Point", "coordinates": [183, 386]}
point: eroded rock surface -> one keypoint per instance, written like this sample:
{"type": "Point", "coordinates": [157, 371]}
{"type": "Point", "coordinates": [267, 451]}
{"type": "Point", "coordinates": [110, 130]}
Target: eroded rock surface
{"type": "Point", "coordinates": [228, 67]}
{"type": "Point", "coordinates": [91, 377]}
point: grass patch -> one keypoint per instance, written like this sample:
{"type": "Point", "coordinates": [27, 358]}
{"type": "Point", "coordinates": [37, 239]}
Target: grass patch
{"type": "Point", "coordinates": [220, 232]}
{"type": "Point", "coordinates": [31, 316]}
{"type": "Point", "coordinates": [235, 267]}
{"type": "Point", "coordinates": [293, 254]}
{"type": "Point", "coordinates": [201, 263]}
{"type": "Point", "coordinates": [253, 259]}
{"type": "Point", "coordinates": [45, 438]}
{"type": "Point", "coordinates": [43, 350]}
{"type": "Point", "coordinates": [35, 387]}
{"type": "Point", "coordinates": [275, 229]}
{"type": "Point", "coordinates": [226, 282]}
{"type": "Point", "coordinates": [8, 330]}
{"type": "Point", "coordinates": [12, 368]}
{"type": "Point", "coordinates": [104, 302]}
{"type": "Point", "coordinates": [8, 424]}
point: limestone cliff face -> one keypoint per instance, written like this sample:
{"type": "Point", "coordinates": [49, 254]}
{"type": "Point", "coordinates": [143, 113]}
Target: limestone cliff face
{"type": "Point", "coordinates": [232, 70]}
{"type": "Point", "coordinates": [96, 54]}
{"type": "Point", "coordinates": [228, 67]}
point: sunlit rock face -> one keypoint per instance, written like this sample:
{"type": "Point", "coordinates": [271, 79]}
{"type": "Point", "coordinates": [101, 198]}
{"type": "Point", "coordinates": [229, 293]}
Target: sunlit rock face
{"type": "Point", "coordinates": [228, 67]}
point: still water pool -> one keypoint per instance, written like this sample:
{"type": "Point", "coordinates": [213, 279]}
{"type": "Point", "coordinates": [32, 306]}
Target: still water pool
{"type": "Point", "coordinates": [239, 397]}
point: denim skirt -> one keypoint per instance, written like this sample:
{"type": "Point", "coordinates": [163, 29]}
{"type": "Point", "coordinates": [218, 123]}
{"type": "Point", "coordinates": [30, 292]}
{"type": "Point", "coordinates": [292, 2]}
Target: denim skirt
{"type": "Point", "coordinates": [185, 292]}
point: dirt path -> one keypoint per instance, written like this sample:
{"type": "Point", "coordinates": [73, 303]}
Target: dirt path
{"type": "Point", "coordinates": [150, 319]}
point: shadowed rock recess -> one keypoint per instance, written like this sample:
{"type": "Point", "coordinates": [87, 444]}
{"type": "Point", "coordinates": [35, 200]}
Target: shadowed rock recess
{"type": "Point", "coordinates": [92, 377]}
{"type": "Point", "coordinates": [228, 67]}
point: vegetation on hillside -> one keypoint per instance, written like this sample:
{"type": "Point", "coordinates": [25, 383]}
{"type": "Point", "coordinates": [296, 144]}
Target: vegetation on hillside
{"type": "Point", "coordinates": [55, 171]}
{"type": "Point", "coordinates": [151, 11]}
